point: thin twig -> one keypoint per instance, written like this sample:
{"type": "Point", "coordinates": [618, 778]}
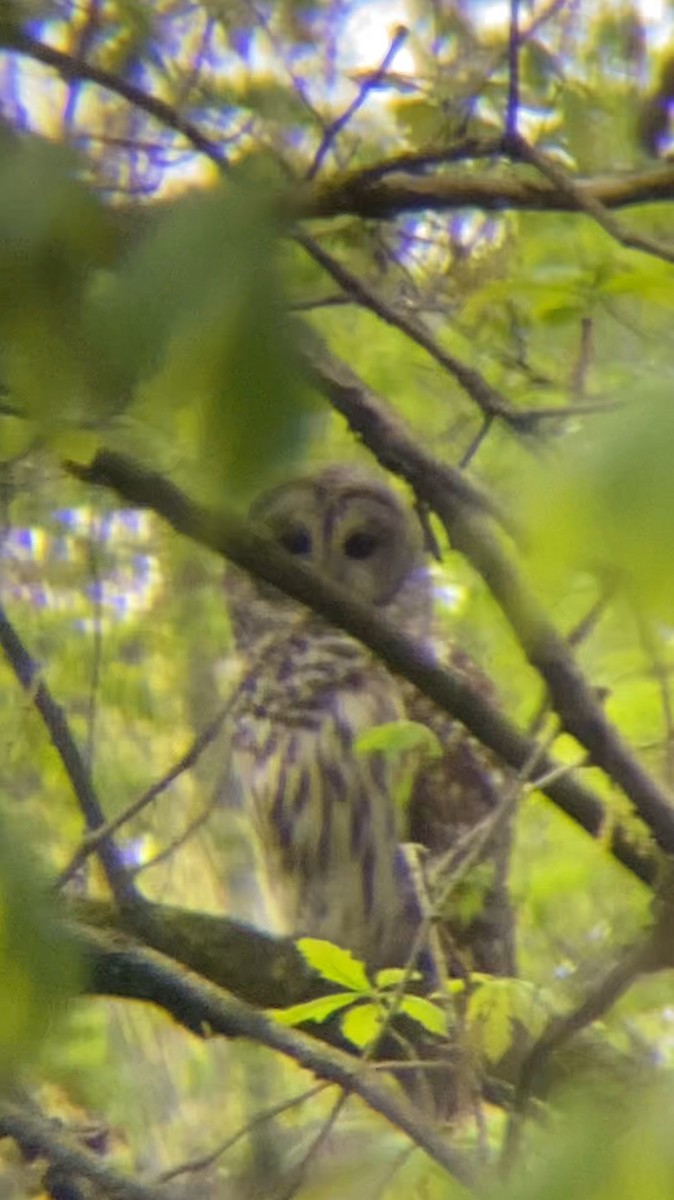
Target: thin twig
{"type": "Point", "coordinates": [586, 202]}
{"type": "Point", "coordinates": [513, 101]}
{"type": "Point", "coordinates": [340, 123]}
{"type": "Point", "coordinates": [204, 1161]}
{"type": "Point", "coordinates": [602, 997]}
{"type": "Point", "coordinates": [488, 399]}
{"type": "Point", "coordinates": [98, 835]}
{"type": "Point", "coordinates": [21, 42]}
{"type": "Point", "coordinates": [28, 673]}
{"type": "Point", "coordinates": [176, 843]}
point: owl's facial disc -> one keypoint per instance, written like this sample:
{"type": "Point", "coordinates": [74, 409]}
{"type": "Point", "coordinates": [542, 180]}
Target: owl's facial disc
{"type": "Point", "coordinates": [349, 527]}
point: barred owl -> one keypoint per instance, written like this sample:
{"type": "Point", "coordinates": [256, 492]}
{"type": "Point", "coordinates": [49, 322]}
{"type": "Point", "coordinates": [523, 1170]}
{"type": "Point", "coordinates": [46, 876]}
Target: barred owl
{"type": "Point", "coordinates": [330, 832]}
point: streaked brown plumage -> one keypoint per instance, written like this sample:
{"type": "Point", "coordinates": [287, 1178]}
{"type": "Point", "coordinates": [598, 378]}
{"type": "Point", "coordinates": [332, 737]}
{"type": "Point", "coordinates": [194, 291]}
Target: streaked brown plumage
{"type": "Point", "coordinates": [324, 813]}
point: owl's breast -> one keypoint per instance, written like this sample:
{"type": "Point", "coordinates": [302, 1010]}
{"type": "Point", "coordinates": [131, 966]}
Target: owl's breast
{"type": "Point", "coordinates": [323, 811]}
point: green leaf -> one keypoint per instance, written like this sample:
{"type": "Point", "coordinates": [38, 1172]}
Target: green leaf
{"type": "Point", "coordinates": [362, 1024]}
{"type": "Point", "coordinates": [194, 323]}
{"type": "Point", "coordinates": [490, 1017]}
{"type": "Point", "coordinates": [335, 964]}
{"type": "Point", "coordinates": [391, 976]}
{"type": "Point", "coordinates": [398, 737]}
{"type": "Point", "coordinates": [37, 960]}
{"type": "Point", "coordinates": [318, 1010]}
{"type": "Point", "coordinates": [609, 502]}
{"type": "Point", "coordinates": [52, 233]}
{"type": "Point", "coordinates": [424, 1012]}
{"type": "Point", "coordinates": [496, 1006]}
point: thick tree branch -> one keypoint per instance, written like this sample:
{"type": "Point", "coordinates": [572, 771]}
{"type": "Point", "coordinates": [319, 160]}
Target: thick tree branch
{"type": "Point", "coordinates": [130, 971]}
{"type": "Point", "coordinates": [259, 969]}
{"type": "Point", "coordinates": [404, 191]}
{"type": "Point", "coordinates": [235, 539]}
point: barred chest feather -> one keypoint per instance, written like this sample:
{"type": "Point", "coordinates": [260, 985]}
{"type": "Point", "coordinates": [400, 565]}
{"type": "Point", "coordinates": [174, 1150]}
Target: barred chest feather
{"type": "Point", "coordinates": [323, 812]}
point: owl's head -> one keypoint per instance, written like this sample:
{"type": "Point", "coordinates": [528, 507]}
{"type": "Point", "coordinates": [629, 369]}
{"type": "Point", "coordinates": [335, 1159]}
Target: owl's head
{"type": "Point", "coordinates": [350, 527]}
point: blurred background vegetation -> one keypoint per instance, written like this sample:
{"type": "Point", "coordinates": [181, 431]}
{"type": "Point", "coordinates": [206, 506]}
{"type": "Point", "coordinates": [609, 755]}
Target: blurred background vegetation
{"type": "Point", "coordinates": [161, 259]}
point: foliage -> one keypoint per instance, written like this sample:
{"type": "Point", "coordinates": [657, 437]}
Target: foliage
{"type": "Point", "coordinates": [191, 196]}
{"type": "Point", "coordinates": [37, 959]}
{"type": "Point", "coordinates": [369, 1010]}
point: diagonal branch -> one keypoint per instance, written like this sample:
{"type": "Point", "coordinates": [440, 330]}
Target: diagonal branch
{"type": "Point", "coordinates": [27, 671]}
{"type": "Point", "coordinates": [636, 961]}
{"type": "Point", "coordinates": [573, 699]}
{"type": "Point", "coordinates": [17, 40]}
{"type": "Point", "coordinates": [235, 539]}
{"type": "Point", "coordinates": [100, 833]}
{"type": "Point", "coordinates": [488, 399]}
{"type": "Point", "coordinates": [586, 202]}
{"type": "Point", "coordinates": [335, 128]}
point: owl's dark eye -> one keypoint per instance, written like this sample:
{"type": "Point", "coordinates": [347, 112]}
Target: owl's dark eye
{"type": "Point", "coordinates": [296, 541]}
{"type": "Point", "coordinates": [360, 544]}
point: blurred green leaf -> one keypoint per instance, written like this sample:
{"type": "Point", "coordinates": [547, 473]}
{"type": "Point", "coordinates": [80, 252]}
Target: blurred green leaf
{"type": "Point", "coordinates": [37, 960]}
{"type": "Point", "coordinates": [53, 231]}
{"type": "Point", "coordinates": [599, 1148]}
{"type": "Point", "coordinates": [391, 976]}
{"type": "Point", "coordinates": [609, 502]}
{"type": "Point", "coordinates": [197, 316]}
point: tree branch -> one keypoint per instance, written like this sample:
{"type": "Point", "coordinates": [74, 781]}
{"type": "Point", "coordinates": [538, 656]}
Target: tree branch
{"type": "Point", "coordinates": [402, 191]}
{"type": "Point", "coordinates": [340, 123]}
{"type": "Point", "coordinates": [586, 202]}
{"type": "Point", "coordinates": [101, 833]}
{"type": "Point", "coordinates": [637, 961]}
{"type": "Point", "coordinates": [489, 400]}
{"type": "Point", "coordinates": [392, 186]}
{"type": "Point", "coordinates": [37, 1135]}
{"type": "Point", "coordinates": [260, 969]}
{"type": "Point", "coordinates": [17, 40]}
{"type": "Point", "coordinates": [573, 699]}
{"type": "Point", "coordinates": [134, 972]}
{"type": "Point", "coordinates": [235, 539]}
{"type": "Point", "coordinates": [27, 671]}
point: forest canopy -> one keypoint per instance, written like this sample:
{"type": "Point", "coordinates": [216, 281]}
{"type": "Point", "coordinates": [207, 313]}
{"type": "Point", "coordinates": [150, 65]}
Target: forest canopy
{"type": "Point", "coordinates": [240, 243]}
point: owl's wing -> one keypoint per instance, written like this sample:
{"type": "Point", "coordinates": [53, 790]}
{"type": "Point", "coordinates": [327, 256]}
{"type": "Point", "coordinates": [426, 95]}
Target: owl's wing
{"type": "Point", "coordinates": [453, 798]}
